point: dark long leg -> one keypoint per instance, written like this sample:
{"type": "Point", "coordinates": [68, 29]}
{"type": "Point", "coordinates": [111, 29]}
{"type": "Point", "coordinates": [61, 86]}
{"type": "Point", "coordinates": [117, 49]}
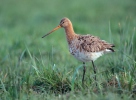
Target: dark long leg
{"type": "Point", "coordinates": [94, 67]}
{"type": "Point", "coordinates": [84, 70]}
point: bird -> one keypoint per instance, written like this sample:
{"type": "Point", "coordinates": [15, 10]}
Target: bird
{"type": "Point", "coordinates": [85, 48]}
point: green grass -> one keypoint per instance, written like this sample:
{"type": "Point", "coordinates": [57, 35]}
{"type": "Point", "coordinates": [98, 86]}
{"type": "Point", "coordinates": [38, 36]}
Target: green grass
{"type": "Point", "coordinates": [34, 68]}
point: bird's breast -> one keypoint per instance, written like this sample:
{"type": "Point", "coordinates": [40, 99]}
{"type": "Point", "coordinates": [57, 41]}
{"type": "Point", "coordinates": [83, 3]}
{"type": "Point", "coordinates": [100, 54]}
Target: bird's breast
{"type": "Point", "coordinates": [80, 54]}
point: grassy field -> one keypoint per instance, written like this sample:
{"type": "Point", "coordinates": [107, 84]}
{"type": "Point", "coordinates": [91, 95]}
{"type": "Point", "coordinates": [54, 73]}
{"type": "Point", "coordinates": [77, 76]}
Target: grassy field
{"type": "Point", "coordinates": [33, 68]}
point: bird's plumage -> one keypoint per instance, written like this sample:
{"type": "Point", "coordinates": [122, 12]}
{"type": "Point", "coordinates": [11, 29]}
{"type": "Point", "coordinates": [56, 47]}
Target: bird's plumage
{"type": "Point", "coordinates": [88, 47]}
{"type": "Point", "coordinates": [89, 43]}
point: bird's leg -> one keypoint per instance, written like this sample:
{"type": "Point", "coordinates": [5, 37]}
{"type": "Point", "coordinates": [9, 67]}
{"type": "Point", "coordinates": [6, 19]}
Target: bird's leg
{"type": "Point", "coordinates": [94, 67]}
{"type": "Point", "coordinates": [84, 70]}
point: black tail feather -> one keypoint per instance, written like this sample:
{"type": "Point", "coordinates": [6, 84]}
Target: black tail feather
{"type": "Point", "coordinates": [112, 45]}
{"type": "Point", "coordinates": [112, 49]}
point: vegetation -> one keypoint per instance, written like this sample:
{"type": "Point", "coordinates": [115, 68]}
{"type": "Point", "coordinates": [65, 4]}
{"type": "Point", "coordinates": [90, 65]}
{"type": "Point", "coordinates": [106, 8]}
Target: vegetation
{"type": "Point", "coordinates": [34, 68]}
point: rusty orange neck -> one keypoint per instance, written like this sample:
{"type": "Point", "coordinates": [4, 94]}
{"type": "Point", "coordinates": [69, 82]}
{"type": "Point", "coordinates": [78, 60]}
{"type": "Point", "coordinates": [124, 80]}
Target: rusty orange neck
{"type": "Point", "coordinates": [70, 34]}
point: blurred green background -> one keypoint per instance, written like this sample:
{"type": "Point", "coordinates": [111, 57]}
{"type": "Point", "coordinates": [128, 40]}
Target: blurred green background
{"type": "Point", "coordinates": [24, 22]}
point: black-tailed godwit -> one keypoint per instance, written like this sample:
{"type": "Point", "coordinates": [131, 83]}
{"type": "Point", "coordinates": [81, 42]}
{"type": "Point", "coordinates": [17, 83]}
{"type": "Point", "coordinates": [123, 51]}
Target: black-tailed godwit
{"type": "Point", "coordinates": [85, 48]}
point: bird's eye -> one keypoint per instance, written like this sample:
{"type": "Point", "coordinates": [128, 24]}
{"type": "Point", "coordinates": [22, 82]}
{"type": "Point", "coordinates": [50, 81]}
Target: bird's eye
{"type": "Point", "coordinates": [62, 22]}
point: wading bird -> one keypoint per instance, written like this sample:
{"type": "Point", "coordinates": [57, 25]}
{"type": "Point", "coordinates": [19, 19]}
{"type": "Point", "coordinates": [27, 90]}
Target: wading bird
{"type": "Point", "coordinates": [86, 48]}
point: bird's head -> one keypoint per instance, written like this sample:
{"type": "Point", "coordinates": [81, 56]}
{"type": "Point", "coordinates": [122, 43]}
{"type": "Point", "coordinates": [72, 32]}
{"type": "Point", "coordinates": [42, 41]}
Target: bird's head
{"type": "Point", "coordinates": [65, 22]}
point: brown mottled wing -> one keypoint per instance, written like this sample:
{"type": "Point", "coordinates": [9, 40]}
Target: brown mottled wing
{"type": "Point", "coordinates": [91, 43]}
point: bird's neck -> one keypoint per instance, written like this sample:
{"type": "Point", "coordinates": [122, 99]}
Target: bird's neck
{"type": "Point", "coordinates": [70, 34]}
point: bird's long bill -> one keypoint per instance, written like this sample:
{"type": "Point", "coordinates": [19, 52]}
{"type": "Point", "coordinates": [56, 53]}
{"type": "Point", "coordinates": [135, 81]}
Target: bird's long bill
{"type": "Point", "coordinates": [52, 31]}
